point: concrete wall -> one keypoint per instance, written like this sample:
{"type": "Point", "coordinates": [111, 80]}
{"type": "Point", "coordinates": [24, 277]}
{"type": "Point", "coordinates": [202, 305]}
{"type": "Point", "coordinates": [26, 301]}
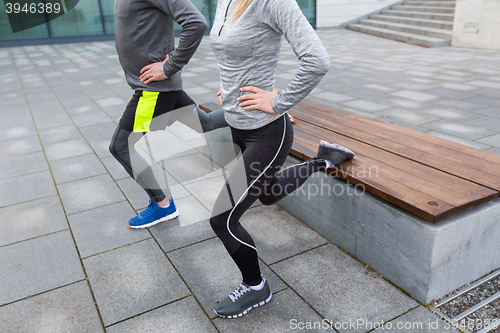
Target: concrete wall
{"type": "Point", "coordinates": [332, 13]}
{"type": "Point", "coordinates": [426, 260]}
{"type": "Point", "coordinates": [477, 24]}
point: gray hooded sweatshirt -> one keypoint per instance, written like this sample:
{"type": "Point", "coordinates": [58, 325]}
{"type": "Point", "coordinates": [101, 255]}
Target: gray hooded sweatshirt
{"type": "Point", "coordinates": [247, 51]}
{"type": "Point", "coordinates": [144, 34]}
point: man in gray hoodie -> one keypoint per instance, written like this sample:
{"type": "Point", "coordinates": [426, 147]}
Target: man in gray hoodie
{"type": "Point", "coordinates": [144, 36]}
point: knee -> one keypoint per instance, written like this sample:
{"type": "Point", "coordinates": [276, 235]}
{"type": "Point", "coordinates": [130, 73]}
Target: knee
{"type": "Point", "coordinates": [218, 224]}
{"type": "Point", "coordinates": [118, 148]}
{"type": "Point", "coordinates": [112, 148]}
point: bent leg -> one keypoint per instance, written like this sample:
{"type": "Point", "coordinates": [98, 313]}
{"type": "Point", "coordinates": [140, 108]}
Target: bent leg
{"type": "Point", "coordinates": [122, 148]}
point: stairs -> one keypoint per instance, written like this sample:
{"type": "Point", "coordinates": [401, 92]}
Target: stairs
{"type": "Point", "coordinates": [426, 23]}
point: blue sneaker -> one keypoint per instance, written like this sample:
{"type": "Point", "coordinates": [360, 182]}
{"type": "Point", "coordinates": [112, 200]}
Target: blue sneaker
{"type": "Point", "coordinates": [154, 214]}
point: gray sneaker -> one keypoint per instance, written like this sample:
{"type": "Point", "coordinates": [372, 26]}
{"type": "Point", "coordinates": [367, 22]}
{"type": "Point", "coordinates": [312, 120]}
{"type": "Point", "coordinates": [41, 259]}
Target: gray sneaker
{"type": "Point", "coordinates": [333, 152]}
{"type": "Point", "coordinates": [242, 300]}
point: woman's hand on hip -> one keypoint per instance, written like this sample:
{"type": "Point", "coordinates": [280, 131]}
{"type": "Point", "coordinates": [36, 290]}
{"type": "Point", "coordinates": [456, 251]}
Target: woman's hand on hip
{"type": "Point", "coordinates": [260, 99]}
{"type": "Point", "coordinates": [153, 72]}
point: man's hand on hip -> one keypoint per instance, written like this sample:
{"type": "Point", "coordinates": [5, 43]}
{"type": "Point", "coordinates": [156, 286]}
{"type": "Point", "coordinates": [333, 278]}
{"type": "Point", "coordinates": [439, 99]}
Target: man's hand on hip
{"type": "Point", "coordinates": [153, 72]}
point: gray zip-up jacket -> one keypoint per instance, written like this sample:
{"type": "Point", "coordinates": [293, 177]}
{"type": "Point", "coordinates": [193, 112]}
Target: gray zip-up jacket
{"type": "Point", "coordinates": [247, 51]}
{"type": "Point", "coordinates": [144, 34]}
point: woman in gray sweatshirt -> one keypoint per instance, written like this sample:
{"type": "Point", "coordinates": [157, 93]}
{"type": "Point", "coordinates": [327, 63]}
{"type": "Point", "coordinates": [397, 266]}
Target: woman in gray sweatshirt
{"type": "Point", "coordinates": [246, 38]}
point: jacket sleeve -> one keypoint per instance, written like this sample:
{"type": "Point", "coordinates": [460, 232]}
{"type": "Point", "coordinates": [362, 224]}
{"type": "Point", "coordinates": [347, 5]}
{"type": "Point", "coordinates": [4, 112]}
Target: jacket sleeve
{"type": "Point", "coordinates": [193, 28]}
{"type": "Point", "coordinates": [285, 16]}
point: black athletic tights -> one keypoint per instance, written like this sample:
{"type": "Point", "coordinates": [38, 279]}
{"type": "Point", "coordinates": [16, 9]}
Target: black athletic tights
{"type": "Point", "coordinates": [257, 175]}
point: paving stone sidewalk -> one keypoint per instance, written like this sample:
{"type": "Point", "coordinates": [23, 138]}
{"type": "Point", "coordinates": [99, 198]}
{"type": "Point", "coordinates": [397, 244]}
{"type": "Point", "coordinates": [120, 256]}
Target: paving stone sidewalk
{"type": "Point", "coordinates": [69, 263]}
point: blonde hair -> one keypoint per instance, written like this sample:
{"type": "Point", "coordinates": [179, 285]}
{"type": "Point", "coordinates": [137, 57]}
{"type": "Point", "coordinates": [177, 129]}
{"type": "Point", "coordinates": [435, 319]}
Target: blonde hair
{"type": "Point", "coordinates": [238, 9]}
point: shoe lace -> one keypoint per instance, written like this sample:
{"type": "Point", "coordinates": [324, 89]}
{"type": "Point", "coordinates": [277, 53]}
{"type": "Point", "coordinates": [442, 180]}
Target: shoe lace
{"type": "Point", "coordinates": [238, 292]}
{"type": "Point", "coordinates": [148, 211]}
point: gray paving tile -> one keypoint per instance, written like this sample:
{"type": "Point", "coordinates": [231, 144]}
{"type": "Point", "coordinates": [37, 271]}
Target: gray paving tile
{"type": "Point", "coordinates": [367, 94]}
{"type": "Point", "coordinates": [100, 146]}
{"type": "Point", "coordinates": [494, 150]}
{"type": "Point", "coordinates": [165, 145]}
{"type": "Point", "coordinates": [191, 211]}
{"type": "Point", "coordinates": [333, 97]}
{"type": "Point", "coordinates": [349, 294]}
{"type": "Point", "coordinates": [483, 100]}
{"type": "Point", "coordinates": [114, 168]}
{"type": "Point", "coordinates": [26, 188]}
{"type": "Point", "coordinates": [111, 101]}
{"type": "Point", "coordinates": [81, 110]}
{"type": "Point", "coordinates": [31, 219]}
{"type": "Point", "coordinates": [99, 131]}
{"type": "Point", "coordinates": [485, 84]}
{"type": "Point", "coordinates": [366, 105]}
{"type": "Point", "coordinates": [200, 168]}
{"type": "Point", "coordinates": [458, 129]}
{"type": "Point", "coordinates": [38, 265]}
{"type": "Point", "coordinates": [285, 313]}
{"type": "Point", "coordinates": [402, 103]}
{"type": "Point", "coordinates": [20, 146]}
{"type": "Point", "coordinates": [103, 229]}
{"type": "Point", "coordinates": [53, 121]}
{"type": "Point", "coordinates": [22, 165]}
{"type": "Point", "coordinates": [206, 191]}
{"type": "Point", "coordinates": [76, 168]}
{"type": "Point", "coordinates": [68, 309]}
{"type": "Point", "coordinates": [417, 320]}
{"type": "Point", "coordinates": [211, 274]}
{"type": "Point", "coordinates": [490, 123]}
{"type": "Point", "coordinates": [89, 193]}
{"type": "Point", "coordinates": [115, 110]}
{"type": "Point", "coordinates": [66, 149]}
{"type": "Point", "coordinates": [89, 119]}
{"type": "Point", "coordinates": [13, 116]}
{"type": "Point", "coordinates": [450, 114]}
{"type": "Point", "coordinates": [184, 316]}
{"type": "Point", "coordinates": [17, 132]}
{"type": "Point", "coordinates": [277, 234]}
{"type": "Point", "coordinates": [416, 96]}
{"type": "Point", "coordinates": [405, 125]}
{"type": "Point", "coordinates": [172, 235]}
{"type": "Point", "coordinates": [409, 117]}
{"type": "Point", "coordinates": [59, 134]}
{"type": "Point", "coordinates": [132, 280]}
{"type": "Point", "coordinates": [459, 105]}
{"type": "Point", "coordinates": [491, 112]}
{"type": "Point", "coordinates": [493, 140]}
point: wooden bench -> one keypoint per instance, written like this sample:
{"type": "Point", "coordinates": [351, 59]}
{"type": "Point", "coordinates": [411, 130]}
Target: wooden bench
{"type": "Point", "coordinates": [430, 209]}
{"type": "Point", "coordinates": [430, 177]}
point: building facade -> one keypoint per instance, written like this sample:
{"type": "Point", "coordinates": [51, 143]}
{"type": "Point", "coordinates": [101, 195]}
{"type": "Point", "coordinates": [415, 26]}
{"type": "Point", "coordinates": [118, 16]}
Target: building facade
{"type": "Point", "coordinates": [92, 20]}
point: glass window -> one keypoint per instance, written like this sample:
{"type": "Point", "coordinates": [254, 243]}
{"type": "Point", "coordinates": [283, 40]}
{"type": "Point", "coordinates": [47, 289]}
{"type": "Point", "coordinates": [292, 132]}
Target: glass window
{"type": "Point", "coordinates": [309, 9]}
{"type": "Point", "coordinates": [108, 15]}
{"type": "Point", "coordinates": [6, 30]}
{"type": "Point", "coordinates": [83, 20]}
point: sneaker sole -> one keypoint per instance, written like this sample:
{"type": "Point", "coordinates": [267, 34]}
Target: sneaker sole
{"type": "Point", "coordinates": [246, 311]}
{"type": "Point", "coordinates": [163, 219]}
{"type": "Point", "coordinates": [345, 150]}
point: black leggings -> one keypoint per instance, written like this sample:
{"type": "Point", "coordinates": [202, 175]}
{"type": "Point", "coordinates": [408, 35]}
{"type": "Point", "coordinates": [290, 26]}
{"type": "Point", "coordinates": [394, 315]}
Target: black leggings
{"type": "Point", "coordinates": [257, 175]}
{"type": "Point", "coordinates": [123, 141]}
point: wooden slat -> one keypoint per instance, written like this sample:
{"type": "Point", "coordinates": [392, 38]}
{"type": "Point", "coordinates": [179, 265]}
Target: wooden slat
{"type": "Point", "coordinates": [381, 127]}
{"type": "Point", "coordinates": [462, 165]}
{"type": "Point", "coordinates": [392, 191]}
{"type": "Point", "coordinates": [461, 187]}
{"type": "Point", "coordinates": [449, 145]}
{"type": "Point", "coordinates": [395, 186]}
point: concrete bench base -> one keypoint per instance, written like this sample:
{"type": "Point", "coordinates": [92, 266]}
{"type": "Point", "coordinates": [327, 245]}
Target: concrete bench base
{"type": "Point", "coordinates": [426, 260]}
